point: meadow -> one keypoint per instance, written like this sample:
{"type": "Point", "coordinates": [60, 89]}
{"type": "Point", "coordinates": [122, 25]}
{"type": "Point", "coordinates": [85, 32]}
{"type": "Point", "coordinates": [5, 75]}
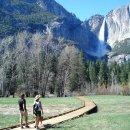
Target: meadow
{"type": "Point", "coordinates": [9, 111]}
{"type": "Point", "coordinates": [113, 114]}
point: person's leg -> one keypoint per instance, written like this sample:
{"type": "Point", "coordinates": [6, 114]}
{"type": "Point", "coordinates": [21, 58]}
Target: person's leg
{"type": "Point", "coordinates": [38, 116]}
{"type": "Point", "coordinates": [41, 118]}
{"type": "Point", "coordinates": [21, 119]}
{"type": "Point", "coordinates": [37, 121]}
{"type": "Point", "coordinates": [26, 119]}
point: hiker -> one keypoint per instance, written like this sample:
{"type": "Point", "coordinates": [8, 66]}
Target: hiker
{"type": "Point", "coordinates": [37, 110]}
{"type": "Point", "coordinates": [23, 111]}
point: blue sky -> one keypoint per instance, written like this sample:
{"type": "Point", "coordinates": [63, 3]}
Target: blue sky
{"type": "Point", "coordinates": [84, 9]}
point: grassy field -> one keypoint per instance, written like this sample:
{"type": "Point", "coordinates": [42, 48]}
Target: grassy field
{"type": "Point", "coordinates": [9, 113]}
{"type": "Point", "coordinates": [63, 101]}
{"type": "Point", "coordinates": [113, 114]}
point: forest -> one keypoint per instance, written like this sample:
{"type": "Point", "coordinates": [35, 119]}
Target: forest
{"type": "Point", "coordinates": [40, 64]}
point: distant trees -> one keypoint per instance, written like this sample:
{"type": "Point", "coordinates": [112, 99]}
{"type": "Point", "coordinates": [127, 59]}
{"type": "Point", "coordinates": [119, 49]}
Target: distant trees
{"type": "Point", "coordinates": [71, 71]}
{"type": "Point", "coordinates": [122, 47]}
{"type": "Point", "coordinates": [93, 76]}
{"type": "Point", "coordinates": [108, 79]}
{"type": "Point", "coordinates": [38, 63]}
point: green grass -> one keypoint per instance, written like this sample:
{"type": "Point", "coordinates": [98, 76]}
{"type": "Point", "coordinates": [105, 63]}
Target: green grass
{"type": "Point", "coordinates": [113, 114]}
{"type": "Point", "coordinates": [9, 120]}
{"type": "Point", "coordinates": [64, 101]}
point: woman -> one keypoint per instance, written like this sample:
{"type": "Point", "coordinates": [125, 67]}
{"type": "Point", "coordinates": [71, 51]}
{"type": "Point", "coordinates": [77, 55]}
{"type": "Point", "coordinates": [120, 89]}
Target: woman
{"type": "Point", "coordinates": [37, 110]}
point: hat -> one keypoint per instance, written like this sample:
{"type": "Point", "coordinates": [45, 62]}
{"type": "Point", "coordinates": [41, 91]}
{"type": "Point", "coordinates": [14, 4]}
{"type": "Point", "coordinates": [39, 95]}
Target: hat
{"type": "Point", "coordinates": [37, 97]}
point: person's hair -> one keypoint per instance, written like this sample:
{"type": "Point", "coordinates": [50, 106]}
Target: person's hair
{"type": "Point", "coordinates": [22, 95]}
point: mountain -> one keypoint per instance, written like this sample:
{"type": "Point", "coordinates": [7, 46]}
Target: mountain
{"type": "Point", "coordinates": [19, 15]}
{"type": "Point", "coordinates": [95, 36]}
{"type": "Point", "coordinates": [118, 24]}
{"type": "Point", "coordinates": [116, 30]}
{"type": "Point", "coordinates": [40, 15]}
{"type": "Point", "coordinates": [95, 23]}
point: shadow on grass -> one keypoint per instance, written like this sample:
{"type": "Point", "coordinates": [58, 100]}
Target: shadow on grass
{"type": "Point", "coordinates": [48, 126]}
{"type": "Point", "coordinates": [94, 110]}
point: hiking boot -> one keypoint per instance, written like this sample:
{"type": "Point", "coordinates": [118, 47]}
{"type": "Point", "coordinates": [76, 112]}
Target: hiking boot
{"type": "Point", "coordinates": [44, 128]}
{"type": "Point", "coordinates": [37, 128]}
{"type": "Point", "coordinates": [27, 126]}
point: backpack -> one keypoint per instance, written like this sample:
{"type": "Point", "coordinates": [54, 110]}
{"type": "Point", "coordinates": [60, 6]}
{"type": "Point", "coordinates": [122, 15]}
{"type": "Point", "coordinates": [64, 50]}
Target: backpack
{"type": "Point", "coordinates": [35, 107]}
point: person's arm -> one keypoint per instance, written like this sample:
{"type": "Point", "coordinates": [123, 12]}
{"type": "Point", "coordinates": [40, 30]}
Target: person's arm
{"type": "Point", "coordinates": [33, 108]}
{"type": "Point", "coordinates": [24, 104]}
{"type": "Point", "coordinates": [41, 107]}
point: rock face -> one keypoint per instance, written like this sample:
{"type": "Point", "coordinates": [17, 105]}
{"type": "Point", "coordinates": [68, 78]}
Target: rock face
{"type": "Point", "coordinates": [97, 25]}
{"type": "Point", "coordinates": [94, 23]}
{"type": "Point", "coordinates": [82, 36]}
{"type": "Point", "coordinates": [121, 58]}
{"type": "Point", "coordinates": [53, 7]}
{"type": "Point", "coordinates": [118, 24]}
{"type": "Point", "coordinates": [72, 28]}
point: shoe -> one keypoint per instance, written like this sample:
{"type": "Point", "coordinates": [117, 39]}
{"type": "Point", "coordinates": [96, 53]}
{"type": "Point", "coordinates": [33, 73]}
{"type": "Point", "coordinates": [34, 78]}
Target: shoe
{"type": "Point", "coordinates": [21, 127]}
{"type": "Point", "coordinates": [27, 126]}
{"type": "Point", "coordinates": [43, 127]}
{"type": "Point", "coordinates": [37, 128]}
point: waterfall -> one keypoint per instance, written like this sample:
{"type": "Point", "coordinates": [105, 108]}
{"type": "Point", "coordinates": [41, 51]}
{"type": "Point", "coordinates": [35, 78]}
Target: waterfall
{"type": "Point", "coordinates": [101, 34]}
{"type": "Point", "coordinates": [101, 51]}
{"type": "Point", "coordinates": [48, 30]}
{"type": "Point", "coordinates": [48, 33]}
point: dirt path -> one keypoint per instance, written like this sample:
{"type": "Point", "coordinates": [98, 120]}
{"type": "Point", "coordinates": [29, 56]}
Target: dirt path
{"type": "Point", "coordinates": [88, 106]}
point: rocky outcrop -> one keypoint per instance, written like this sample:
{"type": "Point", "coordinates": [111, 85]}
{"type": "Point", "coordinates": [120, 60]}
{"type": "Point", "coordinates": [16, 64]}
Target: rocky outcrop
{"type": "Point", "coordinates": [53, 7]}
{"type": "Point", "coordinates": [118, 23]}
{"type": "Point", "coordinates": [118, 58]}
{"type": "Point", "coordinates": [70, 27]}
{"type": "Point", "coordinates": [81, 35]}
{"type": "Point", "coordinates": [94, 23]}
{"type": "Point", "coordinates": [117, 26]}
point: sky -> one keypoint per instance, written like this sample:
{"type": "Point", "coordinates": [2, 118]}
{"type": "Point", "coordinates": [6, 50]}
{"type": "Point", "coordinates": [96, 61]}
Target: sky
{"type": "Point", "coordinates": [84, 9]}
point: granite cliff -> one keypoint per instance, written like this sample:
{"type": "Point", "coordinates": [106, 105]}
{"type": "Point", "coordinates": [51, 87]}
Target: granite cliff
{"type": "Point", "coordinates": [95, 36]}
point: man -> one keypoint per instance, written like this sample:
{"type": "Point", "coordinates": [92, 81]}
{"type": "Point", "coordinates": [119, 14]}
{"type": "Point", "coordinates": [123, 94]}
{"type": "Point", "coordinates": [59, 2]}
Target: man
{"type": "Point", "coordinates": [23, 111]}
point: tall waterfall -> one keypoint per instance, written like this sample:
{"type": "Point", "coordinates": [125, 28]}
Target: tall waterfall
{"type": "Point", "coordinates": [101, 51]}
{"type": "Point", "coordinates": [48, 30]}
{"type": "Point", "coordinates": [48, 33]}
{"type": "Point", "coordinates": [101, 34]}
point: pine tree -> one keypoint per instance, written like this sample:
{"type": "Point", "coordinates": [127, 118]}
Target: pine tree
{"type": "Point", "coordinates": [124, 74]}
{"type": "Point", "coordinates": [103, 74]}
{"type": "Point", "coordinates": [92, 75]}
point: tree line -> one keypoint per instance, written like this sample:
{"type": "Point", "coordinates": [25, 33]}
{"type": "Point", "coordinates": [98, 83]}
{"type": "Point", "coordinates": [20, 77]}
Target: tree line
{"type": "Point", "coordinates": [40, 64]}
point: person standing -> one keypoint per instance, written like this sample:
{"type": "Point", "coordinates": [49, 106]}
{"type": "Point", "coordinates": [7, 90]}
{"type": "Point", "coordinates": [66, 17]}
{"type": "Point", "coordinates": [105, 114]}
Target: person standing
{"type": "Point", "coordinates": [37, 110]}
{"type": "Point", "coordinates": [23, 111]}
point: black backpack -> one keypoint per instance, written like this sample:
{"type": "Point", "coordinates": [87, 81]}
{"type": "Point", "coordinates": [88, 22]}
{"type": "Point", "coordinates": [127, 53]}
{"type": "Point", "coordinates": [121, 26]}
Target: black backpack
{"type": "Point", "coordinates": [35, 107]}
